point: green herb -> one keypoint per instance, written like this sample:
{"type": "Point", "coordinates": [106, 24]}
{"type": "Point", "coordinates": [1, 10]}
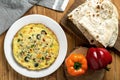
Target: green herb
{"type": "Point", "coordinates": [21, 53]}
{"type": "Point", "coordinates": [32, 34]}
{"type": "Point", "coordinates": [18, 40]}
{"type": "Point", "coordinates": [46, 52]}
{"type": "Point", "coordinates": [42, 58]}
{"type": "Point", "coordinates": [21, 35]}
{"type": "Point", "coordinates": [29, 37]}
{"type": "Point", "coordinates": [51, 45]}
{"type": "Point", "coordinates": [34, 59]}
{"type": "Point", "coordinates": [32, 46]}
{"type": "Point", "coordinates": [29, 55]}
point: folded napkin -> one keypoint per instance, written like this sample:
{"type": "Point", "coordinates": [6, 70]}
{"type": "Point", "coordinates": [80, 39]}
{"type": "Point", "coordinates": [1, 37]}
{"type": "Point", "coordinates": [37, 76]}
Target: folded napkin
{"type": "Point", "coordinates": [11, 10]}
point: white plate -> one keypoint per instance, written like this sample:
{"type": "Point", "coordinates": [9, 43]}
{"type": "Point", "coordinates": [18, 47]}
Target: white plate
{"type": "Point", "coordinates": [50, 23]}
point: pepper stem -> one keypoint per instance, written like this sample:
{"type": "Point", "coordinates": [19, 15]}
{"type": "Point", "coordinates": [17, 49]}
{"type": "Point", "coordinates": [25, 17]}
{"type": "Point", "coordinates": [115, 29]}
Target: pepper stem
{"type": "Point", "coordinates": [77, 65]}
{"type": "Point", "coordinates": [107, 69]}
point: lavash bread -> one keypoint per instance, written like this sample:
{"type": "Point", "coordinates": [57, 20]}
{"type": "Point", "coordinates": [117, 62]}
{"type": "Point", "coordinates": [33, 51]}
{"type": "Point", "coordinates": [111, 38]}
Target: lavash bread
{"type": "Point", "coordinates": [98, 21]}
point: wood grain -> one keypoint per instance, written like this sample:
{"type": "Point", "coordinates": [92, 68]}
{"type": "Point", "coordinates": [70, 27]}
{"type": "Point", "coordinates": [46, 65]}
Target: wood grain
{"type": "Point", "coordinates": [7, 73]}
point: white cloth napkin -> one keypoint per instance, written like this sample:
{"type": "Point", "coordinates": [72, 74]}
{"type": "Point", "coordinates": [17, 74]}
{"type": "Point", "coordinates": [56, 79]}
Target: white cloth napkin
{"type": "Point", "coordinates": [11, 10]}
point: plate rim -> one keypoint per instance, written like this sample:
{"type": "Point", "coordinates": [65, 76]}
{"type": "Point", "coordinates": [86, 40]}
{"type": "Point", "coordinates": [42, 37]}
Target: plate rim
{"type": "Point", "coordinates": [9, 60]}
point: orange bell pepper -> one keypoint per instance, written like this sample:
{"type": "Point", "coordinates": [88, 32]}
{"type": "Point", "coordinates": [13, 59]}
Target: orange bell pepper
{"type": "Point", "coordinates": [76, 64]}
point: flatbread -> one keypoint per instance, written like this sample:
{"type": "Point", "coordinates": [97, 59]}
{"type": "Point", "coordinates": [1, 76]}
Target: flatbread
{"type": "Point", "coordinates": [98, 21]}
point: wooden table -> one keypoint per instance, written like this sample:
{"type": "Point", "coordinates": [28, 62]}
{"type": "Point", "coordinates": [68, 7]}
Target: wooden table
{"type": "Point", "coordinates": [7, 73]}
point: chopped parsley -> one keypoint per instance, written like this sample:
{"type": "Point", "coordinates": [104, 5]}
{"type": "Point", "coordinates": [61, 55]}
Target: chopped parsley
{"type": "Point", "coordinates": [18, 40]}
{"type": "Point", "coordinates": [32, 46]}
{"type": "Point", "coordinates": [42, 58]}
{"type": "Point", "coordinates": [21, 35]}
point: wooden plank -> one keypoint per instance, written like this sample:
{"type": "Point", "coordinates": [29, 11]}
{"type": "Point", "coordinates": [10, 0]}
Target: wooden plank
{"type": "Point", "coordinates": [117, 67]}
{"type": "Point", "coordinates": [7, 73]}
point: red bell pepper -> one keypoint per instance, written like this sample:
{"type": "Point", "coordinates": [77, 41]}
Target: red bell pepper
{"type": "Point", "coordinates": [98, 58]}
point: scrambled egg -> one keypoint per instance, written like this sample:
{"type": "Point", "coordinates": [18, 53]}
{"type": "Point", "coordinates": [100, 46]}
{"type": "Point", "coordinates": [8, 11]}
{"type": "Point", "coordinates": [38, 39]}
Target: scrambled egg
{"type": "Point", "coordinates": [35, 46]}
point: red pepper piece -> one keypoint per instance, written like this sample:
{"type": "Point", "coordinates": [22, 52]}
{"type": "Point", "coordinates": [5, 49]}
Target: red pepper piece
{"type": "Point", "coordinates": [98, 58]}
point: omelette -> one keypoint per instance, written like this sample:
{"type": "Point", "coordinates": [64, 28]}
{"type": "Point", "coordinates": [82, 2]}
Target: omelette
{"type": "Point", "coordinates": [35, 46]}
